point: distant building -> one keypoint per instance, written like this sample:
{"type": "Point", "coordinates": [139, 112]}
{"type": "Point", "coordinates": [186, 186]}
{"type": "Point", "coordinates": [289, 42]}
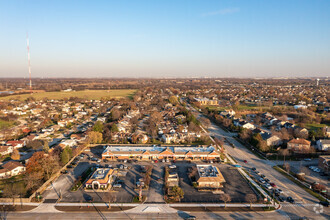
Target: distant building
{"type": "Point", "coordinates": [300, 106]}
{"type": "Point", "coordinates": [100, 179]}
{"type": "Point", "coordinates": [206, 101]}
{"type": "Point", "coordinates": [209, 176]}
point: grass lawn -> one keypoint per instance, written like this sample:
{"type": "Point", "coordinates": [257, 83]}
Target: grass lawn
{"type": "Point", "coordinates": [88, 94]}
{"type": "Point", "coordinates": [314, 126]}
{"type": "Point", "coordinates": [6, 124]}
{"type": "Point", "coordinates": [216, 108]}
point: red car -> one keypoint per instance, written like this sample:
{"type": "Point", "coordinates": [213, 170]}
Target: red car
{"type": "Point", "coordinates": [273, 184]}
{"type": "Point", "coordinates": [156, 161]}
{"type": "Point", "coordinates": [245, 161]}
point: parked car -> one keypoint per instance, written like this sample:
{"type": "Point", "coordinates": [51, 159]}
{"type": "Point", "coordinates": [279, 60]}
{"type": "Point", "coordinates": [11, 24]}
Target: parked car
{"type": "Point", "coordinates": [273, 184]}
{"type": "Point", "coordinates": [261, 180]}
{"type": "Point", "coordinates": [125, 161]}
{"type": "Point", "coordinates": [190, 217]}
{"type": "Point", "coordinates": [281, 199]}
{"type": "Point", "coordinates": [237, 165]}
{"type": "Point", "coordinates": [64, 171]}
{"type": "Point", "coordinates": [324, 203]}
{"type": "Point", "coordinates": [117, 186]}
{"type": "Point", "coordinates": [279, 191]}
{"type": "Point", "coordinates": [267, 180]}
{"type": "Point", "coordinates": [172, 166]}
{"type": "Point", "coordinates": [254, 169]}
{"type": "Point", "coordinates": [290, 199]}
{"type": "Point", "coordinates": [245, 161]}
{"type": "Point", "coordinates": [262, 175]}
{"type": "Point", "coordinates": [307, 159]}
{"type": "Point", "coordinates": [268, 186]}
{"type": "Point", "coordinates": [258, 173]}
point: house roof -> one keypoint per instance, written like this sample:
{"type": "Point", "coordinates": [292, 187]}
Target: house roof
{"type": "Point", "coordinates": [300, 141]}
{"type": "Point", "coordinates": [12, 165]}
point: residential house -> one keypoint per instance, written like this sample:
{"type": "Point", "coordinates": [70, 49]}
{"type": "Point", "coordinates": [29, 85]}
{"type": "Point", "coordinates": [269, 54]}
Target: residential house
{"type": "Point", "coordinates": [271, 140]}
{"type": "Point", "coordinates": [12, 168]}
{"type": "Point", "coordinates": [327, 132]}
{"type": "Point", "coordinates": [16, 144]}
{"type": "Point", "coordinates": [299, 145]}
{"type": "Point", "coordinates": [5, 150]}
{"type": "Point", "coordinates": [323, 144]}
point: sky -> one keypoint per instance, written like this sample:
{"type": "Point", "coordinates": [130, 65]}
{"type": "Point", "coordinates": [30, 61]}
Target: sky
{"type": "Point", "coordinates": [165, 38]}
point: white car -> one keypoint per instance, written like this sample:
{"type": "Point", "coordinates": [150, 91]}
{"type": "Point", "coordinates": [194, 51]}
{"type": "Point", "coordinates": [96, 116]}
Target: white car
{"type": "Point", "coordinates": [261, 180]}
{"type": "Point", "coordinates": [268, 186]}
{"type": "Point", "coordinates": [117, 186]}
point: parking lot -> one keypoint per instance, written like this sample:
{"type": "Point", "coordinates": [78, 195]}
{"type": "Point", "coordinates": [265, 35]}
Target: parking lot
{"type": "Point", "coordinates": [130, 173]}
{"type": "Point", "coordinates": [236, 186]}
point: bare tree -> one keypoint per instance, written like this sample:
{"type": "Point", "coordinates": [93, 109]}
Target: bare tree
{"type": "Point", "coordinates": [206, 122]}
{"type": "Point", "coordinates": [284, 153]}
{"type": "Point", "coordinates": [226, 198]}
{"type": "Point", "coordinates": [251, 198]}
{"type": "Point", "coordinates": [286, 166]}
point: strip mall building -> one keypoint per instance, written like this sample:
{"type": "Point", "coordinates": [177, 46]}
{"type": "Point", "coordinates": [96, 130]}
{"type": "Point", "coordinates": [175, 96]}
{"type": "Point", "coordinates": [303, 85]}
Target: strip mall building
{"type": "Point", "coordinates": [158, 153]}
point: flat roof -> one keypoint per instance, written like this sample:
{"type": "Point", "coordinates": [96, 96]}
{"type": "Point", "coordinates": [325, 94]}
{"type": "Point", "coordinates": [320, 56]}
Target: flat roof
{"type": "Point", "coordinates": [183, 149]}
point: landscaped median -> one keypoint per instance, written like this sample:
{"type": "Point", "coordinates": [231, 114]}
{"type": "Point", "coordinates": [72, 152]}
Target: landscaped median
{"type": "Point", "coordinates": [222, 207]}
{"type": "Point", "coordinates": [300, 184]}
{"type": "Point", "coordinates": [93, 207]}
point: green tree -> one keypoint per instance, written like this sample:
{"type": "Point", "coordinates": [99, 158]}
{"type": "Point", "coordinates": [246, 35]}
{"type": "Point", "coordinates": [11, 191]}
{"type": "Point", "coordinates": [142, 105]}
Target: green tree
{"type": "Point", "coordinates": [173, 100]}
{"type": "Point", "coordinates": [95, 137]}
{"type": "Point", "coordinates": [66, 155]}
{"type": "Point", "coordinates": [177, 192]}
{"type": "Point", "coordinates": [114, 128]}
{"type": "Point", "coordinates": [15, 155]}
{"type": "Point", "coordinates": [46, 147]}
{"type": "Point", "coordinates": [98, 127]}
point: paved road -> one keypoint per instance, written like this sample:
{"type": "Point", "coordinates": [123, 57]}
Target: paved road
{"type": "Point", "coordinates": [241, 153]}
{"type": "Point", "coordinates": [147, 214]}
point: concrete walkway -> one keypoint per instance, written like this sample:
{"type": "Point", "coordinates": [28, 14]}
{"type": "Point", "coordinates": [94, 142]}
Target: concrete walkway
{"type": "Point", "coordinates": [152, 208]}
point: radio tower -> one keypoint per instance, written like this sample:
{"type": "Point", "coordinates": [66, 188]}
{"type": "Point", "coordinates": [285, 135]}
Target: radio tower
{"type": "Point", "coordinates": [28, 49]}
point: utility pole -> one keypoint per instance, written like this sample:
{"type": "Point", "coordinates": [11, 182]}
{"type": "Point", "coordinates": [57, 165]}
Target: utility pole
{"type": "Point", "coordinates": [28, 49]}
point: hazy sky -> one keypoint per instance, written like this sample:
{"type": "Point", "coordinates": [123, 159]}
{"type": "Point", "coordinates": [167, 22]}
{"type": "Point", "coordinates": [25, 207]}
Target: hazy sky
{"type": "Point", "coordinates": [126, 38]}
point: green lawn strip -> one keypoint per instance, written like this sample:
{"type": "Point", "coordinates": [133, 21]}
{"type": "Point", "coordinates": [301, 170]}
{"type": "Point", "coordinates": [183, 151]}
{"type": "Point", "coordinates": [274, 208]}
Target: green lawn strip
{"type": "Point", "coordinates": [316, 195]}
{"type": "Point", "coordinates": [315, 126]}
{"type": "Point", "coordinates": [6, 124]}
